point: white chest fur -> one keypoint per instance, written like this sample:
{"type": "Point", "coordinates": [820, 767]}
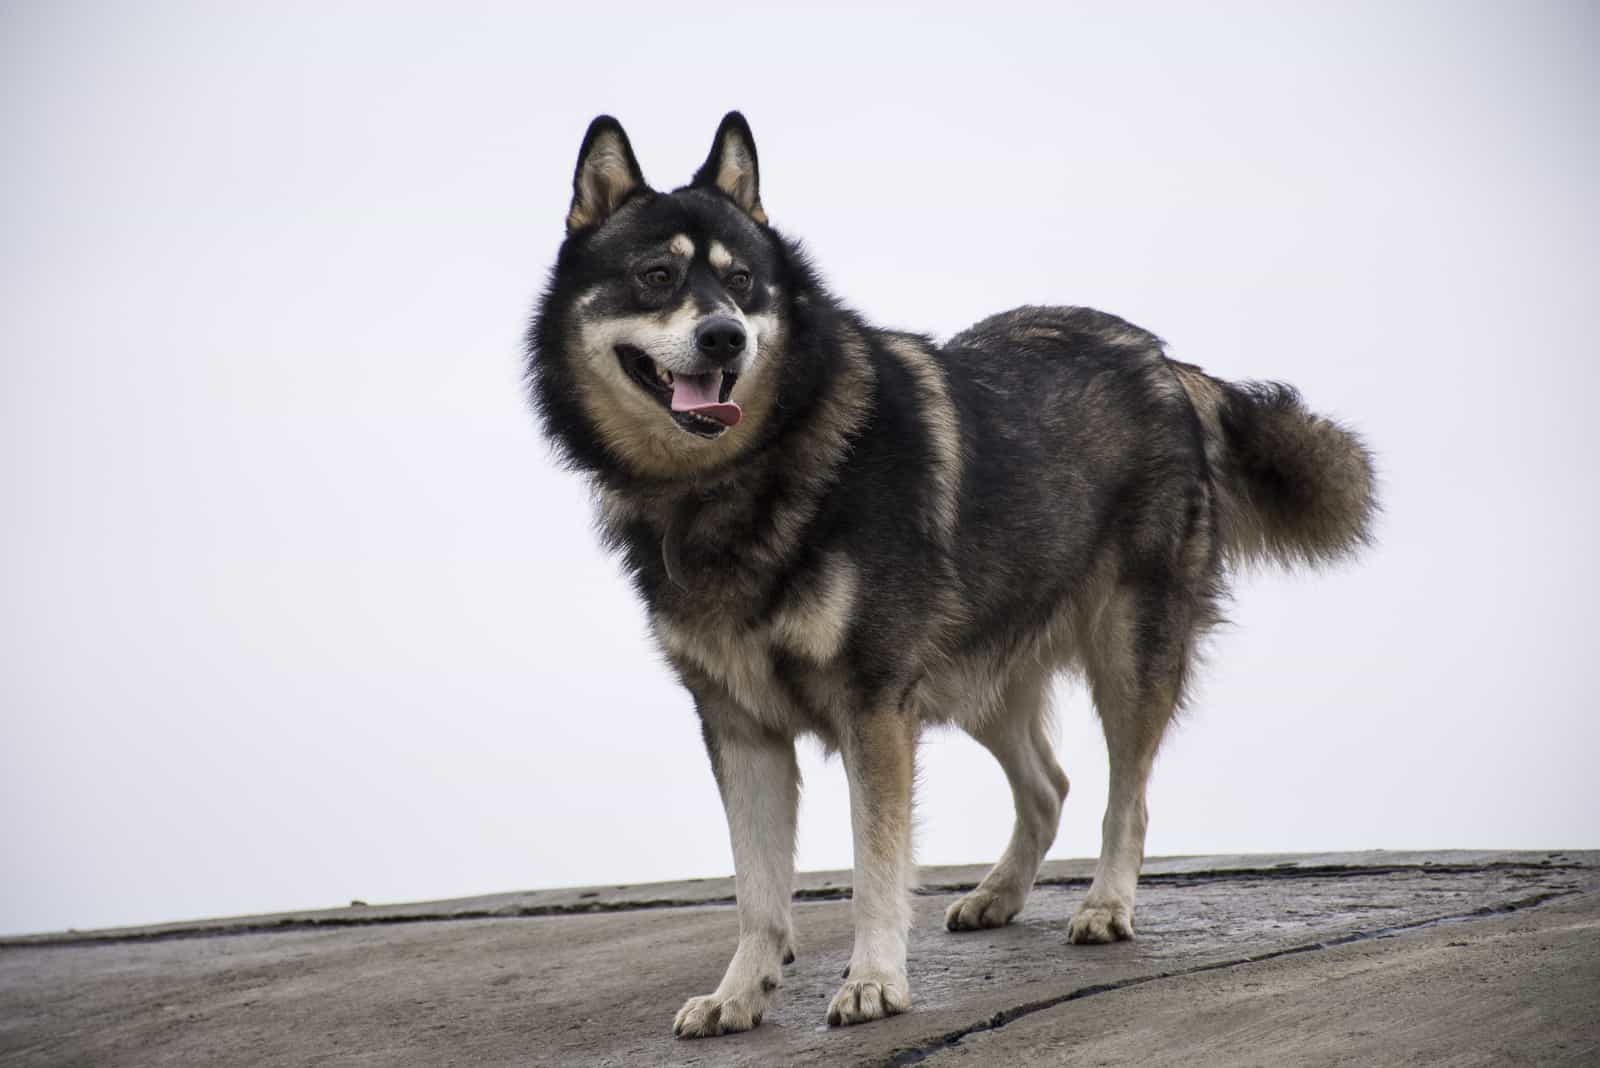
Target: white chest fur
{"type": "Point", "coordinates": [812, 623]}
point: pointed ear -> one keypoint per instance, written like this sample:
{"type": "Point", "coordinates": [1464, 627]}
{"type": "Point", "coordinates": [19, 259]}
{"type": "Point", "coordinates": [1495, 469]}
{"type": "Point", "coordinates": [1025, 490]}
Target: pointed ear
{"type": "Point", "coordinates": [607, 174]}
{"type": "Point", "coordinates": [732, 167]}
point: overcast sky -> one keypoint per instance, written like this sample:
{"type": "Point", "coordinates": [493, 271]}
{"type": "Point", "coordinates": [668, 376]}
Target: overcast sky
{"type": "Point", "coordinates": [297, 608]}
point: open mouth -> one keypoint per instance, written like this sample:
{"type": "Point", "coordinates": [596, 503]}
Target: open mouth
{"type": "Point", "coordinates": [697, 403]}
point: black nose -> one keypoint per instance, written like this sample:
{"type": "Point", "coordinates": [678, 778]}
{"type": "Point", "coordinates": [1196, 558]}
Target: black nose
{"type": "Point", "coordinates": [719, 339]}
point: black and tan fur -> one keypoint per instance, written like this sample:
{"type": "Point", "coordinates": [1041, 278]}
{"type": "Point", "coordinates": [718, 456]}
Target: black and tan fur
{"type": "Point", "coordinates": [900, 533]}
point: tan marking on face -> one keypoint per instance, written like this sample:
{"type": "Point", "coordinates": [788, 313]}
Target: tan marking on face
{"type": "Point", "coordinates": [943, 425]}
{"type": "Point", "coordinates": [634, 426]}
{"type": "Point", "coordinates": [666, 336]}
{"type": "Point", "coordinates": [680, 245]}
{"type": "Point", "coordinates": [813, 623]}
{"type": "Point", "coordinates": [720, 257]}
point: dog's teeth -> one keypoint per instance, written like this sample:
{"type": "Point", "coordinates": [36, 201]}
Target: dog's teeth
{"type": "Point", "coordinates": [663, 375]}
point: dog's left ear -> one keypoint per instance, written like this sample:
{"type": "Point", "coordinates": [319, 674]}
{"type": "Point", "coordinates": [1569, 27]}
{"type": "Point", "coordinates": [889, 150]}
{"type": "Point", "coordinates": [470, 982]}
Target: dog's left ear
{"type": "Point", "coordinates": [732, 166]}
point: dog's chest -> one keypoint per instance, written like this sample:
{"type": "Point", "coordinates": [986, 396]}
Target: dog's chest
{"type": "Point", "coordinates": [712, 629]}
{"type": "Point", "coordinates": [740, 659]}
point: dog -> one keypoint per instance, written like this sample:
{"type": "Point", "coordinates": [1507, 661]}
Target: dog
{"type": "Point", "coordinates": [855, 533]}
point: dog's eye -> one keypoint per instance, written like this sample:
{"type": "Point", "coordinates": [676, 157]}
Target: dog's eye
{"type": "Point", "coordinates": [656, 276]}
{"type": "Point", "coordinates": [739, 281]}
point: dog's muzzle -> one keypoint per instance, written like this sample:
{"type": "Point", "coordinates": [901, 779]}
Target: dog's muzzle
{"type": "Point", "coordinates": [697, 402]}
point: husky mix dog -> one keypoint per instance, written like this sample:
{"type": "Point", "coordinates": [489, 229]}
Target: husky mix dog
{"type": "Point", "coordinates": [855, 533]}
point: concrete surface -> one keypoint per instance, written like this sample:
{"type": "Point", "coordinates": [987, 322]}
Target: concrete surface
{"type": "Point", "coordinates": [1372, 958]}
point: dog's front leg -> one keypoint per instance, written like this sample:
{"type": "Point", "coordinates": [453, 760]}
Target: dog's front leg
{"type": "Point", "coordinates": [879, 754]}
{"type": "Point", "coordinates": [760, 784]}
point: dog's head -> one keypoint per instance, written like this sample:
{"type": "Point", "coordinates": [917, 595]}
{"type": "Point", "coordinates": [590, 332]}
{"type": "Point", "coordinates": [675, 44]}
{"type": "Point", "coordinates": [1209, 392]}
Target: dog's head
{"type": "Point", "coordinates": [655, 346]}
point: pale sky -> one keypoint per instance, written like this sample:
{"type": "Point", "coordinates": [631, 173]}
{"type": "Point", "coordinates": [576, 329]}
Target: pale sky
{"type": "Point", "coordinates": [298, 608]}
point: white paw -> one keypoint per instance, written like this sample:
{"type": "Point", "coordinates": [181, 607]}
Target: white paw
{"type": "Point", "coordinates": [713, 1015]}
{"type": "Point", "coordinates": [1093, 923]}
{"type": "Point", "coordinates": [869, 997]}
{"type": "Point", "coordinates": [984, 908]}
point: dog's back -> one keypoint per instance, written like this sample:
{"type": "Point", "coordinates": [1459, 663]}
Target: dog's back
{"type": "Point", "coordinates": [1087, 455]}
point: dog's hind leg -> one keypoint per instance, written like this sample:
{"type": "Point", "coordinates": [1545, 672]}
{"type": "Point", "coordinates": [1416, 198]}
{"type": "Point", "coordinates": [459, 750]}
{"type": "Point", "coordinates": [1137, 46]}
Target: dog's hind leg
{"type": "Point", "coordinates": [1137, 659]}
{"type": "Point", "coordinates": [759, 780]}
{"type": "Point", "coordinates": [1019, 740]}
{"type": "Point", "coordinates": [879, 752]}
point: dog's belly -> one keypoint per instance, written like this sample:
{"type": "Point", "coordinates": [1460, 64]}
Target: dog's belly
{"type": "Point", "coordinates": [756, 666]}
{"type": "Point", "coordinates": [978, 682]}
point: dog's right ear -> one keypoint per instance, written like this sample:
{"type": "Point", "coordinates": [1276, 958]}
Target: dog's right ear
{"type": "Point", "coordinates": [607, 174]}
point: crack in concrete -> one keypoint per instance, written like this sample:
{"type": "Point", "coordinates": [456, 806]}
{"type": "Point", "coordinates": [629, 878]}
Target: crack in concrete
{"type": "Point", "coordinates": [1308, 871]}
{"type": "Point", "coordinates": [285, 924]}
{"type": "Point", "coordinates": [950, 1039]}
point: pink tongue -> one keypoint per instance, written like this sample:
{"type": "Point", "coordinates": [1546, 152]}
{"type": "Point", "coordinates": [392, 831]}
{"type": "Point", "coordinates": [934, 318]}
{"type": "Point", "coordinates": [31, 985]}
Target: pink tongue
{"type": "Point", "coordinates": [698, 394]}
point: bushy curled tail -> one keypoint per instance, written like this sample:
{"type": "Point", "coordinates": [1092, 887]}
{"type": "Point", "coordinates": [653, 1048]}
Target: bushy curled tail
{"type": "Point", "coordinates": [1293, 486]}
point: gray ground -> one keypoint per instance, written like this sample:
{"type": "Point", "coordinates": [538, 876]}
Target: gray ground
{"type": "Point", "coordinates": [1374, 958]}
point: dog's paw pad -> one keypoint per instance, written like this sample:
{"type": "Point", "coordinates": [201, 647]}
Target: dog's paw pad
{"type": "Point", "coordinates": [983, 908]}
{"type": "Point", "coordinates": [860, 1000]}
{"type": "Point", "coordinates": [1100, 923]}
{"type": "Point", "coordinates": [710, 1016]}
